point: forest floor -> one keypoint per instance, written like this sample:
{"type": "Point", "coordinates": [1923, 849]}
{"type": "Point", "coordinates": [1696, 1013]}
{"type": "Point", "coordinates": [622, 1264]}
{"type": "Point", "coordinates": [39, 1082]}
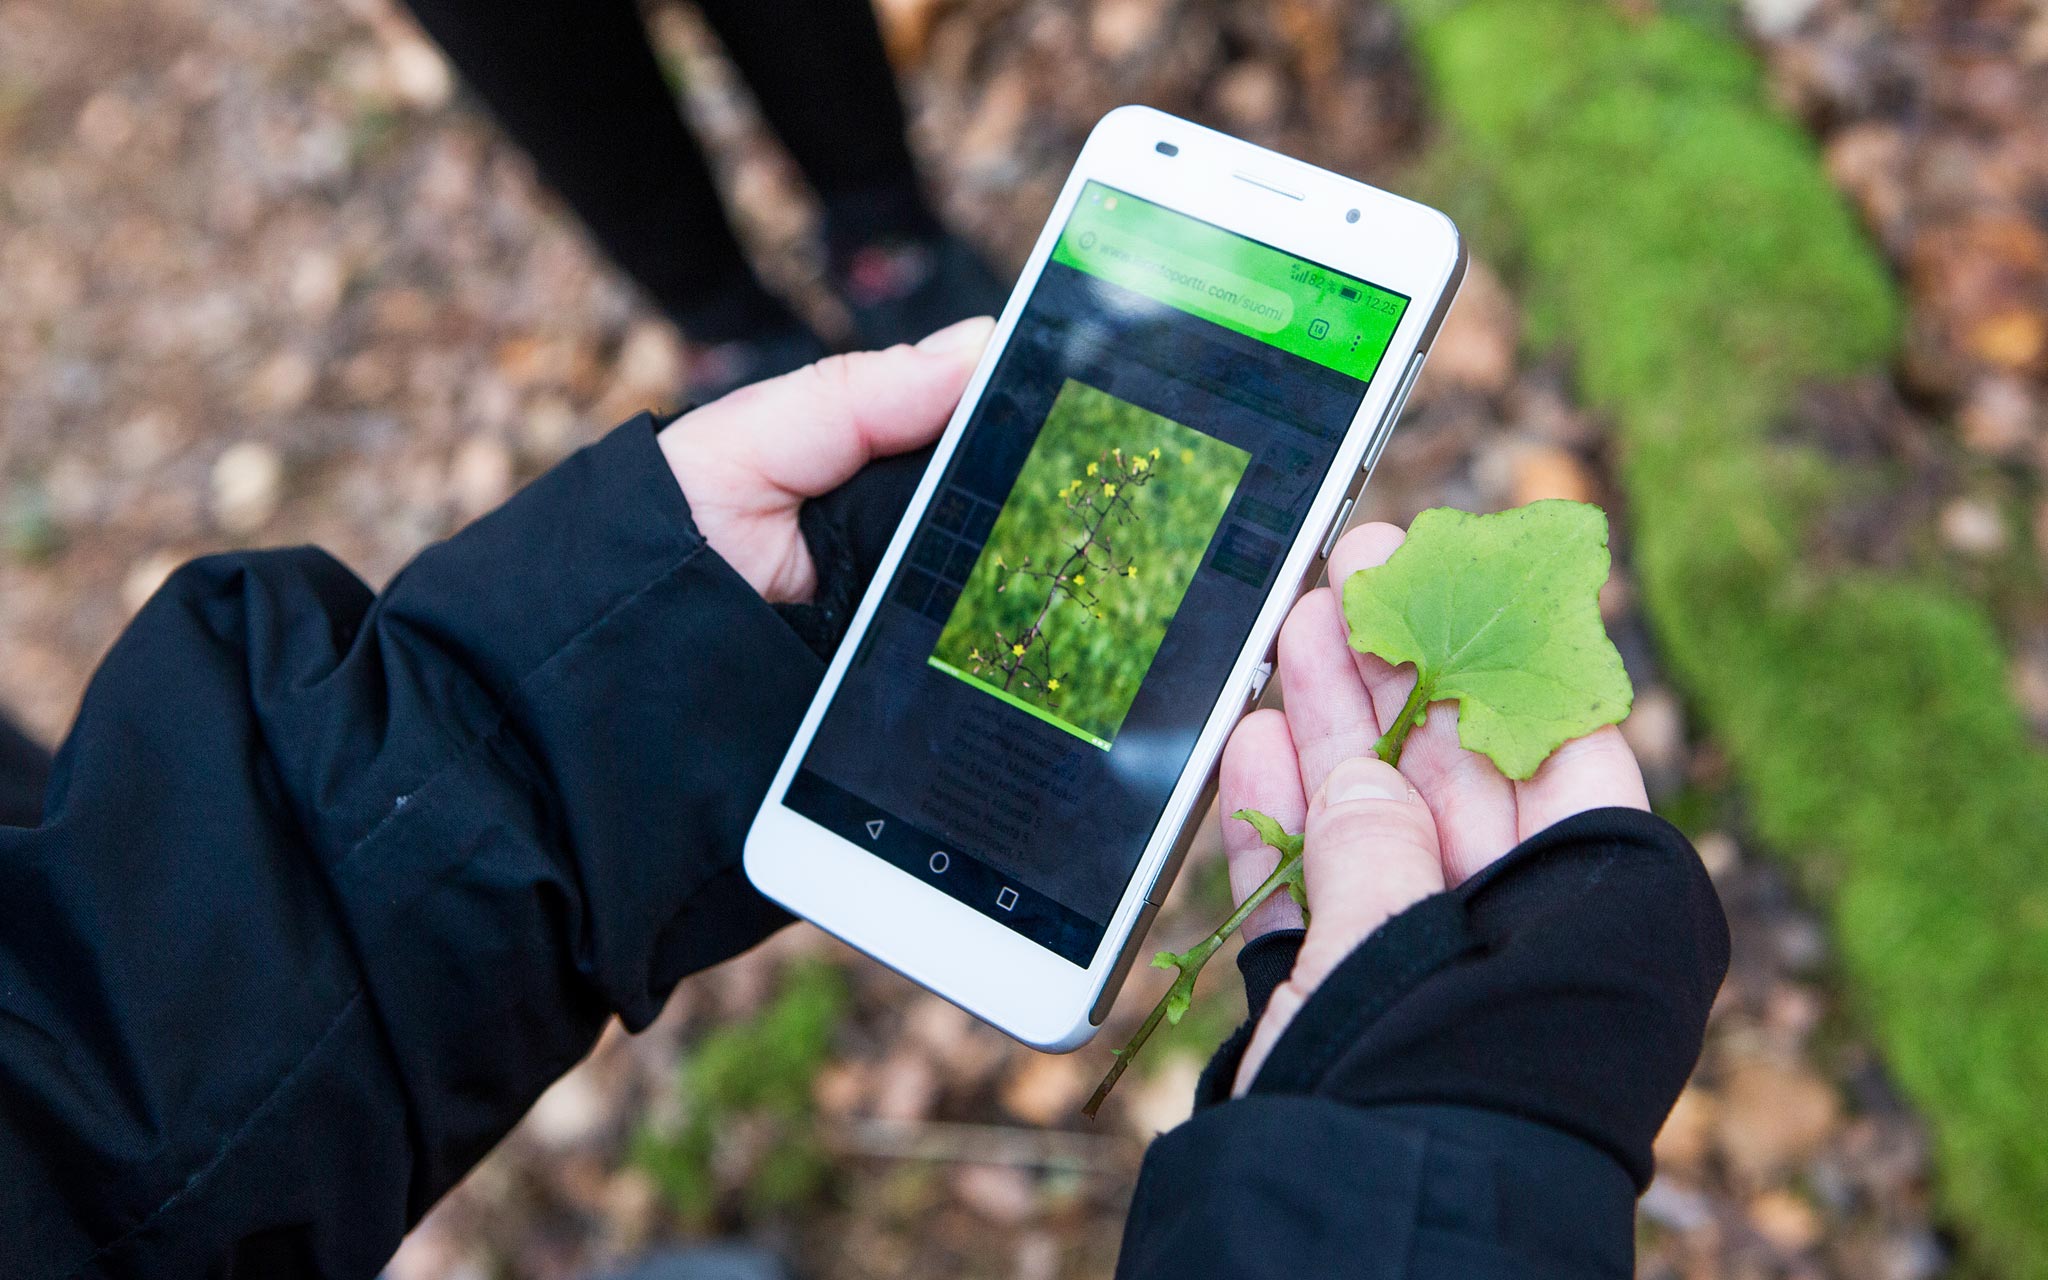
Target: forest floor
{"type": "Point", "coordinates": [268, 276]}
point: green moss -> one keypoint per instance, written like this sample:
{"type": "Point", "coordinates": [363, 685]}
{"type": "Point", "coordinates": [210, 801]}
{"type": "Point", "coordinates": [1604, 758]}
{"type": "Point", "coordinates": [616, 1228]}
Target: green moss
{"type": "Point", "coordinates": [756, 1076]}
{"type": "Point", "coordinates": [28, 532]}
{"type": "Point", "coordinates": [1680, 238]}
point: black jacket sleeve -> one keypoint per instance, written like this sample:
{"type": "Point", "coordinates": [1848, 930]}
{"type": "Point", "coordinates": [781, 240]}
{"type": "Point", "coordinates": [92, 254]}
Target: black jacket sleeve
{"type": "Point", "coordinates": [329, 885]}
{"type": "Point", "coordinates": [1471, 1094]}
{"type": "Point", "coordinates": [24, 775]}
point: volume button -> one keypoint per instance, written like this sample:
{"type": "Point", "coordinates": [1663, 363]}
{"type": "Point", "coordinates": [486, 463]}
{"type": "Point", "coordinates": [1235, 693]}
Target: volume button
{"type": "Point", "coordinates": [1260, 674]}
{"type": "Point", "coordinates": [1336, 527]}
{"type": "Point", "coordinates": [1392, 416]}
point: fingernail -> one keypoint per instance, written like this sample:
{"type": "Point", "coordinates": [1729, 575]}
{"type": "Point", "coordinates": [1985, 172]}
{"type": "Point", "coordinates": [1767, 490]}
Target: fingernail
{"type": "Point", "coordinates": [972, 331]}
{"type": "Point", "coordinates": [1364, 778]}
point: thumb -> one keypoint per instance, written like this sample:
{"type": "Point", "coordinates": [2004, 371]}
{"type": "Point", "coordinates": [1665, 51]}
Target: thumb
{"type": "Point", "coordinates": [808, 431]}
{"type": "Point", "coordinates": [1371, 853]}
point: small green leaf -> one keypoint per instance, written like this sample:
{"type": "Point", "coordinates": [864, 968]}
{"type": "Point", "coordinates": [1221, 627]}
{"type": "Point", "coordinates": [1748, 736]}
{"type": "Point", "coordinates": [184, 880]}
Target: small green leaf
{"type": "Point", "coordinates": [1270, 832]}
{"type": "Point", "coordinates": [1501, 614]}
{"type": "Point", "coordinates": [1166, 960]}
{"type": "Point", "coordinates": [1177, 1001]}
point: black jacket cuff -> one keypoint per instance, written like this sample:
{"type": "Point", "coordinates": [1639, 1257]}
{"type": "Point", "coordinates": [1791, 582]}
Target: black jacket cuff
{"type": "Point", "coordinates": [1279, 1188]}
{"type": "Point", "coordinates": [1569, 983]}
{"type": "Point", "coordinates": [847, 531]}
{"type": "Point", "coordinates": [1264, 963]}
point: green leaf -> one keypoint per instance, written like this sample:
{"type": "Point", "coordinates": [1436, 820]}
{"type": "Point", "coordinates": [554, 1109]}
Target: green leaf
{"type": "Point", "coordinates": [1501, 614]}
{"type": "Point", "coordinates": [1288, 847]}
{"type": "Point", "coordinates": [1270, 832]}
{"type": "Point", "coordinates": [1178, 999]}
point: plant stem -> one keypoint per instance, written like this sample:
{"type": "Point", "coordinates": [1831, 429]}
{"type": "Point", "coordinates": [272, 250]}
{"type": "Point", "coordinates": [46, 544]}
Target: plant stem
{"type": "Point", "coordinates": [1090, 537]}
{"type": "Point", "coordinates": [1190, 963]}
{"type": "Point", "coordinates": [1388, 748]}
{"type": "Point", "coordinates": [1124, 1055]}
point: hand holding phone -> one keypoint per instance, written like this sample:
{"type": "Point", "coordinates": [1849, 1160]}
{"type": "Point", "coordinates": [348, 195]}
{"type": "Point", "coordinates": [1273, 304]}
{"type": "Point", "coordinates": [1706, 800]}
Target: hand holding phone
{"type": "Point", "coordinates": [1205, 354]}
{"type": "Point", "coordinates": [748, 460]}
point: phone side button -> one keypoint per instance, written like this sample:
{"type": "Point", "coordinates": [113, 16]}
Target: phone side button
{"type": "Point", "coordinates": [1260, 674]}
{"type": "Point", "coordinates": [1392, 417]}
{"type": "Point", "coordinates": [1336, 527]}
{"type": "Point", "coordinates": [1117, 975]}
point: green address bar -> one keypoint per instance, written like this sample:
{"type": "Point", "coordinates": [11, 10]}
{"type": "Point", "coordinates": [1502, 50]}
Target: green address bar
{"type": "Point", "coordinates": [1180, 280]}
{"type": "Point", "coordinates": [1335, 320]}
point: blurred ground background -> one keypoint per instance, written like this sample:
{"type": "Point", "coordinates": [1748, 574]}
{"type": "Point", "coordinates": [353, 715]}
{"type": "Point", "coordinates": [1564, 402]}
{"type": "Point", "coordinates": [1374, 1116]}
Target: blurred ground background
{"type": "Point", "coordinates": [265, 276]}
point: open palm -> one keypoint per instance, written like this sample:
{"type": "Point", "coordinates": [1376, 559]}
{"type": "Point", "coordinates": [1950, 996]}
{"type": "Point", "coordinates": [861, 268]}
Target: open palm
{"type": "Point", "coordinates": [1461, 814]}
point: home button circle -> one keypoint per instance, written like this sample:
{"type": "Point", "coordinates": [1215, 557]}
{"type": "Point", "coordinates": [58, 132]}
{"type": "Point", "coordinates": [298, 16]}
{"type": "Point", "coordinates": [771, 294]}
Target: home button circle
{"type": "Point", "coordinates": [940, 862]}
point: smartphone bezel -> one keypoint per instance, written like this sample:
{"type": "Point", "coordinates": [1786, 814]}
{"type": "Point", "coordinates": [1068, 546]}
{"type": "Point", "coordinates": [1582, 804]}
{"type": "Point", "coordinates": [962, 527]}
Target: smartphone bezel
{"type": "Point", "coordinates": [910, 926]}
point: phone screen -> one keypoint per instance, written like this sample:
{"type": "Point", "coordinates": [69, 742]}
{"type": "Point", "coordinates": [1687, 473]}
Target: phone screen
{"type": "Point", "coordinates": [1037, 674]}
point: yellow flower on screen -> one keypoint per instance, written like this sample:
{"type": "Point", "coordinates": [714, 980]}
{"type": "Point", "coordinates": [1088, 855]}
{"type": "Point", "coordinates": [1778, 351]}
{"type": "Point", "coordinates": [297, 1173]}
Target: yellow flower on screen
{"type": "Point", "coordinates": [1155, 453]}
{"type": "Point", "coordinates": [1017, 649]}
{"type": "Point", "coordinates": [1080, 579]}
{"type": "Point", "coordinates": [1092, 468]}
{"type": "Point", "coordinates": [1187, 455]}
{"type": "Point", "coordinates": [1139, 464]}
{"type": "Point", "coordinates": [1053, 685]}
{"type": "Point", "coordinates": [1108, 489]}
{"type": "Point", "coordinates": [1131, 571]}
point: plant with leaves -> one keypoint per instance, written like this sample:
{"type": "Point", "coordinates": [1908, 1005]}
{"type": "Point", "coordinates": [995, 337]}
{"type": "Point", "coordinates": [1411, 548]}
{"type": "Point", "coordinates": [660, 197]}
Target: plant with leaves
{"type": "Point", "coordinates": [1497, 613]}
{"type": "Point", "coordinates": [1052, 506]}
{"type": "Point", "coordinates": [1098, 503]}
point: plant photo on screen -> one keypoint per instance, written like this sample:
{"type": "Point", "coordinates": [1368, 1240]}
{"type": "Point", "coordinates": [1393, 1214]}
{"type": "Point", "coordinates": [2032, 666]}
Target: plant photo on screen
{"type": "Point", "coordinates": [1088, 560]}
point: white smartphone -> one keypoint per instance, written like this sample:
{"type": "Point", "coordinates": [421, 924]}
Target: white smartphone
{"type": "Point", "coordinates": [1008, 756]}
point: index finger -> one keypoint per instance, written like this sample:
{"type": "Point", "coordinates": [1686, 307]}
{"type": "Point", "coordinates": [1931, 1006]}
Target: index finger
{"type": "Point", "coordinates": [1259, 772]}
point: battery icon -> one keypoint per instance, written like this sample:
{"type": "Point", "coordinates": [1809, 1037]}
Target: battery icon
{"type": "Point", "coordinates": [1347, 293]}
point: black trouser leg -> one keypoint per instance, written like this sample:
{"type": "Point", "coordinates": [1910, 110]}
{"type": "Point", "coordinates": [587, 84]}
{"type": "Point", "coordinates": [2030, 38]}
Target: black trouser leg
{"type": "Point", "coordinates": [24, 774]}
{"type": "Point", "coordinates": [575, 82]}
{"type": "Point", "coordinates": [824, 83]}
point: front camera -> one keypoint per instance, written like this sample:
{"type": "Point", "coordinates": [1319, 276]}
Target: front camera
{"type": "Point", "coordinates": [1351, 215]}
